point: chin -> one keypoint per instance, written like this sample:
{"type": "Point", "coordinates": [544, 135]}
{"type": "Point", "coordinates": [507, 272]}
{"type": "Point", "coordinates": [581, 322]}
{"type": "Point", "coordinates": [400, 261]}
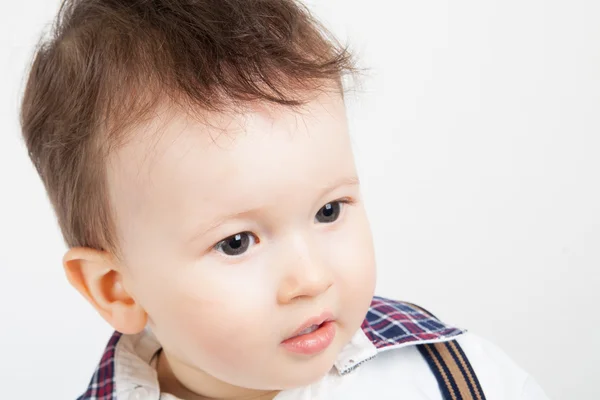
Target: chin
{"type": "Point", "coordinates": [302, 380]}
{"type": "Point", "coordinates": [306, 372]}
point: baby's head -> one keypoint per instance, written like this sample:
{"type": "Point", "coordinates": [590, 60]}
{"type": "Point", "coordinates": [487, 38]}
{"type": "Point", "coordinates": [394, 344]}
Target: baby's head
{"type": "Point", "coordinates": [197, 156]}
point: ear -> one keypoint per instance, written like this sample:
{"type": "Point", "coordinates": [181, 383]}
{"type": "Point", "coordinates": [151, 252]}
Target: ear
{"type": "Point", "coordinates": [96, 275]}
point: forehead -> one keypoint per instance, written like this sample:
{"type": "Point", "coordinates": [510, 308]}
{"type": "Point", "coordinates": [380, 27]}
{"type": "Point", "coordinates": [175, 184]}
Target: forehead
{"type": "Point", "coordinates": [176, 163]}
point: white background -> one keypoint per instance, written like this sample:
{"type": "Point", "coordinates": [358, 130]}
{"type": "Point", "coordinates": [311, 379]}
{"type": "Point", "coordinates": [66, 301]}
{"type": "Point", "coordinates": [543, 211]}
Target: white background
{"type": "Point", "coordinates": [477, 137]}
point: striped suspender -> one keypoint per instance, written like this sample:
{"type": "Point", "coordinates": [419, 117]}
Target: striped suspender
{"type": "Point", "coordinates": [452, 370]}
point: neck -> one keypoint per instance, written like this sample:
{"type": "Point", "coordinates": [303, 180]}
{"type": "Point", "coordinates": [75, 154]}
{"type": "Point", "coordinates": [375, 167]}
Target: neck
{"type": "Point", "coordinates": [205, 386]}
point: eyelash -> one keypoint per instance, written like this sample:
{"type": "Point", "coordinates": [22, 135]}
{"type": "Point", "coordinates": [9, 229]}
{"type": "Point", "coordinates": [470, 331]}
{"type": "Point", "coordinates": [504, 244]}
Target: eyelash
{"type": "Point", "coordinates": [344, 200]}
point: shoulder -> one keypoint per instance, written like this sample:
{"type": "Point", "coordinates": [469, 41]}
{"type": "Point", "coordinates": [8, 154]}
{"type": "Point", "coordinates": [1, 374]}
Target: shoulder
{"type": "Point", "coordinates": [406, 372]}
{"type": "Point", "coordinates": [401, 330]}
{"type": "Point", "coordinates": [497, 371]}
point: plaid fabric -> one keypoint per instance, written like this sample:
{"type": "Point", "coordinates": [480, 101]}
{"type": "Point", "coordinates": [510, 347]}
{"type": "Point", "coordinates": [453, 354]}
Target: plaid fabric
{"type": "Point", "coordinates": [388, 324]}
{"type": "Point", "coordinates": [102, 385]}
{"type": "Point", "coordinates": [392, 323]}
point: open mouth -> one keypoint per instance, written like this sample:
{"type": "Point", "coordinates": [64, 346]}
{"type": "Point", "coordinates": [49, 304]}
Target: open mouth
{"type": "Point", "coordinates": [312, 337]}
{"type": "Point", "coordinates": [310, 329]}
{"type": "Point", "coordinates": [312, 324]}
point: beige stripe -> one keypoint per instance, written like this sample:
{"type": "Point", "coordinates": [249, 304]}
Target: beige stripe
{"type": "Point", "coordinates": [439, 367]}
{"type": "Point", "coordinates": [463, 387]}
{"type": "Point", "coordinates": [459, 378]}
{"type": "Point", "coordinates": [467, 370]}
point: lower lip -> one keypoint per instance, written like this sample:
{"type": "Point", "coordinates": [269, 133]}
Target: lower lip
{"type": "Point", "coordinates": [312, 343]}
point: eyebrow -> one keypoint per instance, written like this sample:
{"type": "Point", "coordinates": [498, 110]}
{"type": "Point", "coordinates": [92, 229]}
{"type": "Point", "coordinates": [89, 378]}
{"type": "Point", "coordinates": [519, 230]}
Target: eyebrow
{"type": "Point", "coordinates": [346, 181]}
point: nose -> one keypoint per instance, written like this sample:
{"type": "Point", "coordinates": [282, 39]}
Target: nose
{"type": "Point", "coordinates": [305, 274]}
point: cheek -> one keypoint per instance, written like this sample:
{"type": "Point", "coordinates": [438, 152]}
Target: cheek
{"type": "Point", "coordinates": [357, 257]}
{"type": "Point", "coordinates": [216, 318]}
{"type": "Point", "coordinates": [355, 263]}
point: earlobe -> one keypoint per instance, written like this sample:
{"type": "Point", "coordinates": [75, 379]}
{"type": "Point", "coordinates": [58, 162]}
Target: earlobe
{"type": "Point", "coordinates": [97, 276]}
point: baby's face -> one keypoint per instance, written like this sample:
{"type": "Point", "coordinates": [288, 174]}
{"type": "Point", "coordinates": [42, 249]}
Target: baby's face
{"type": "Point", "coordinates": [236, 234]}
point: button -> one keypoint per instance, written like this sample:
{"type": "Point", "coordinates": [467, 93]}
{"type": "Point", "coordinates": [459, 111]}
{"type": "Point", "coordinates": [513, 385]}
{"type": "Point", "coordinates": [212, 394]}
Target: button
{"type": "Point", "coordinates": [139, 393]}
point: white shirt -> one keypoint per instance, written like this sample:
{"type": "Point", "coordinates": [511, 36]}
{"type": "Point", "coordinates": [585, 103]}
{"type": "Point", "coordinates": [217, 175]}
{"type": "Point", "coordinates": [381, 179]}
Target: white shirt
{"type": "Point", "coordinates": [395, 372]}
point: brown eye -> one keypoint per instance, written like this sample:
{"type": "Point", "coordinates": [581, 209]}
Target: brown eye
{"type": "Point", "coordinates": [329, 212]}
{"type": "Point", "coordinates": [237, 244]}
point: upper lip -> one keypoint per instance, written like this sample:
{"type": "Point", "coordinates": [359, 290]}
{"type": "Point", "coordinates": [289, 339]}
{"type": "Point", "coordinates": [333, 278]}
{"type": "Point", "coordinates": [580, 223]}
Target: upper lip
{"type": "Point", "coordinates": [324, 317]}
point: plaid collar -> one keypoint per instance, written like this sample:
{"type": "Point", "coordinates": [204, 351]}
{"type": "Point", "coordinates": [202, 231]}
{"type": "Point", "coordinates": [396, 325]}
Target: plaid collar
{"type": "Point", "coordinates": [388, 325]}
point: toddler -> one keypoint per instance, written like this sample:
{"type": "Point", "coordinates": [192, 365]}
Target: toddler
{"type": "Point", "coordinates": [197, 156]}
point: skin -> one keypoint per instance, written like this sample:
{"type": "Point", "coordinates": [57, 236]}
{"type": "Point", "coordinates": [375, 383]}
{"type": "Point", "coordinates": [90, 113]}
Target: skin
{"type": "Point", "coordinates": [221, 318]}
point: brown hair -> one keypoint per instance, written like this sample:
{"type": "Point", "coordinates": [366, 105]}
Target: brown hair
{"type": "Point", "coordinates": [108, 62]}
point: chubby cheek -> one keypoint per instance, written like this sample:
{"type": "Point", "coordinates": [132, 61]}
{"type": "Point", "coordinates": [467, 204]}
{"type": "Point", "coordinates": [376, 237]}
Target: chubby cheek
{"type": "Point", "coordinates": [216, 321]}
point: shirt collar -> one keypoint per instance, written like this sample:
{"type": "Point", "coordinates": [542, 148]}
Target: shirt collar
{"type": "Point", "coordinates": [126, 369]}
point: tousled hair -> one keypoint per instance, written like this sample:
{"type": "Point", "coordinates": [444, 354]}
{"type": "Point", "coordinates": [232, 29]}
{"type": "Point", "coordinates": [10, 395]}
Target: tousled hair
{"type": "Point", "coordinates": [107, 64]}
